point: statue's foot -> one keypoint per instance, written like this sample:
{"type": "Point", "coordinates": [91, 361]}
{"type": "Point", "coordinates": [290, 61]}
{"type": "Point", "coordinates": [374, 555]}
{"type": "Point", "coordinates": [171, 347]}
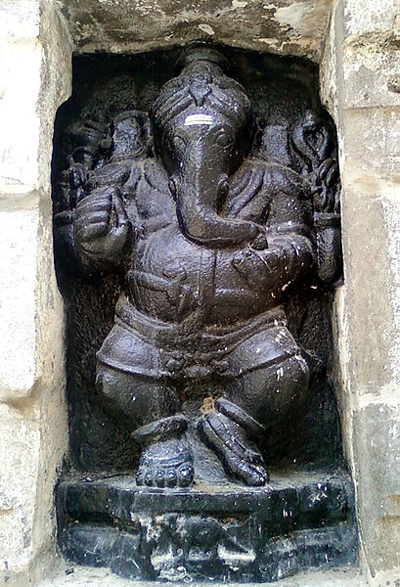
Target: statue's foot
{"type": "Point", "coordinates": [166, 463]}
{"type": "Point", "coordinates": [240, 457]}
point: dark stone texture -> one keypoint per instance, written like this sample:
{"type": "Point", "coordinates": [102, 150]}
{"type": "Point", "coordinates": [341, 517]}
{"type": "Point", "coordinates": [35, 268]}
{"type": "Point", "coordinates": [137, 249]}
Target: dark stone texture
{"type": "Point", "coordinates": [198, 206]}
{"type": "Point", "coordinates": [299, 521]}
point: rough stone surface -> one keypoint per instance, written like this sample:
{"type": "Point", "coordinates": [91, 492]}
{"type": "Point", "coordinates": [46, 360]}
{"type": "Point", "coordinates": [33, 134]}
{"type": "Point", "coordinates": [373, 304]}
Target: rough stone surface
{"type": "Point", "coordinates": [372, 73]}
{"type": "Point", "coordinates": [19, 66]}
{"type": "Point", "coordinates": [379, 16]}
{"type": "Point", "coordinates": [20, 441]}
{"type": "Point", "coordinates": [35, 79]}
{"type": "Point", "coordinates": [377, 432]}
{"type": "Point", "coordinates": [300, 521]}
{"type": "Point", "coordinates": [18, 235]}
{"type": "Point", "coordinates": [280, 26]}
{"type": "Point", "coordinates": [76, 576]}
{"type": "Point", "coordinates": [360, 87]}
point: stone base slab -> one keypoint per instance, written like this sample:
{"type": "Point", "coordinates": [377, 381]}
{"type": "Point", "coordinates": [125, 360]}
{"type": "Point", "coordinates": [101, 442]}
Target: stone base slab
{"type": "Point", "coordinates": [298, 522]}
{"type": "Point", "coordinates": [79, 576]}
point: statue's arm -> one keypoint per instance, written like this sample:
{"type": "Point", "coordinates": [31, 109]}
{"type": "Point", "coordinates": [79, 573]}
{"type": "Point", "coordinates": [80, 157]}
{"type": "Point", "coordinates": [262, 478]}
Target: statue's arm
{"type": "Point", "coordinates": [326, 204]}
{"type": "Point", "coordinates": [313, 148]}
{"type": "Point", "coordinates": [287, 251]}
{"type": "Point", "coordinates": [101, 229]}
{"type": "Point", "coordinates": [94, 229]}
{"type": "Point", "coordinates": [289, 225]}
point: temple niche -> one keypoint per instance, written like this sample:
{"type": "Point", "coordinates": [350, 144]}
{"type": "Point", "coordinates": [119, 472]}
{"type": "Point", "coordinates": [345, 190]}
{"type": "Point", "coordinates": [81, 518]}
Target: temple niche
{"type": "Point", "coordinates": [197, 240]}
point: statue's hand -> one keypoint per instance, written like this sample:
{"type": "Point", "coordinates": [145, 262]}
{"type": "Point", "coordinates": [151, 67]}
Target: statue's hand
{"type": "Point", "coordinates": [325, 181]}
{"type": "Point", "coordinates": [260, 269]}
{"type": "Point", "coordinates": [101, 226]}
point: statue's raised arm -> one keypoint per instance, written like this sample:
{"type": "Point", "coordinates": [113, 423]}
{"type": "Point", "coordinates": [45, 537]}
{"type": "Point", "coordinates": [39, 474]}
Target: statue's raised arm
{"type": "Point", "coordinates": [95, 220]}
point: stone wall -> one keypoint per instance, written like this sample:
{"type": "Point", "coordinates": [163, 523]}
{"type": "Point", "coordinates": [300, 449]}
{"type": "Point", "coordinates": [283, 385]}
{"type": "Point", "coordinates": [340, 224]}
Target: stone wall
{"type": "Point", "coordinates": [35, 79]}
{"type": "Point", "coordinates": [360, 85]}
{"type": "Point", "coordinates": [358, 46]}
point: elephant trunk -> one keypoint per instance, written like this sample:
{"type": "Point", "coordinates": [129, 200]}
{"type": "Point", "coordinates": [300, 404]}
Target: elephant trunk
{"type": "Point", "coordinates": [200, 192]}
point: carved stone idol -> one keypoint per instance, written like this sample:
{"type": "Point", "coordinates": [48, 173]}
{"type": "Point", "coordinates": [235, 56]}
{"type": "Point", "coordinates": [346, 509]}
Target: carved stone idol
{"type": "Point", "coordinates": [214, 224]}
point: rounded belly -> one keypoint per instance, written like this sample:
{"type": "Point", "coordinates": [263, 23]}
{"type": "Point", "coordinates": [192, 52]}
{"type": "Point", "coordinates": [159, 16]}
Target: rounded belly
{"type": "Point", "coordinates": [173, 278]}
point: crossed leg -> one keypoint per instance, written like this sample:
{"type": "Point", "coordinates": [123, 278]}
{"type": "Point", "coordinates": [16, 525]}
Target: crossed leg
{"type": "Point", "coordinates": [150, 409]}
{"type": "Point", "coordinates": [251, 405]}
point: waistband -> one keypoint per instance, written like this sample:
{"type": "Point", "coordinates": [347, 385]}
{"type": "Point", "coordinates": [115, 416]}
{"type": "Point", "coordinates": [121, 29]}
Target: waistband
{"type": "Point", "coordinates": [186, 334]}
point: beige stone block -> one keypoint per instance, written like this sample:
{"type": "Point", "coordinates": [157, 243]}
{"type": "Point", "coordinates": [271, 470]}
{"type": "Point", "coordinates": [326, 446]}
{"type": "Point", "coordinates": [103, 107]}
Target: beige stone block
{"type": "Point", "coordinates": [55, 88]}
{"type": "Point", "coordinates": [20, 62]}
{"type": "Point", "coordinates": [375, 16]}
{"type": "Point", "coordinates": [369, 141]}
{"type": "Point", "coordinates": [328, 71]}
{"type": "Point", "coordinates": [377, 463]}
{"type": "Point", "coordinates": [370, 329]}
{"type": "Point", "coordinates": [18, 335]}
{"type": "Point", "coordinates": [35, 78]}
{"type": "Point", "coordinates": [371, 73]}
{"type": "Point", "coordinates": [19, 455]}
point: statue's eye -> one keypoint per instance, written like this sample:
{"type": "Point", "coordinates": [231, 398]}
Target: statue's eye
{"type": "Point", "coordinates": [178, 143]}
{"type": "Point", "coordinates": [172, 187]}
{"type": "Point", "coordinates": [224, 139]}
{"type": "Point", "coordinates": [223, 188]}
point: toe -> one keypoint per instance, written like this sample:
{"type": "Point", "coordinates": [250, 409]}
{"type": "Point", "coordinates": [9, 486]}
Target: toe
{"type": "Point", "coordinates": [148, 478]}
{"type": "Point", "coordinates": [159, 478]}
{"type": "Point", "coordinates": [140, 478]}
{"type": "Point", "coordinates": [185, 475]}
{"type": "Point", "coordinates": [171, 478]}
{"type": "Point", "coordinates": [254, 476]}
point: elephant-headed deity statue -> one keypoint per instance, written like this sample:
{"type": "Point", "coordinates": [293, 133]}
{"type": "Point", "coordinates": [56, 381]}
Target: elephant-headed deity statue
{"type": "Point", "coordinates": [212, 226]}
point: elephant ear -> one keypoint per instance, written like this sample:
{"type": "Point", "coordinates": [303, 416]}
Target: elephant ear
{"type": "Point", "coordinates": [311, 141]}
{"type": "Point", "coordinates": [131, 135]}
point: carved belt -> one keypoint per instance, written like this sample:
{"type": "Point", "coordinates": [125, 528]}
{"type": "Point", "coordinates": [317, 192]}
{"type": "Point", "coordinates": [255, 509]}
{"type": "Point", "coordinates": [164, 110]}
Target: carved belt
{"type": "Point", "coordinates": [139, 344]}
{"type": "Point", "coordinates": [185, 334]}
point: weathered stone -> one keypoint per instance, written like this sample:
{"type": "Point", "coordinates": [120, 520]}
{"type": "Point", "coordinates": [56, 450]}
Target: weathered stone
{"type": "Point", "coordinates": [35, 68]}
{"type": "Point", "coordinates": [230, 533]}
{"type": "Point", "coordinates": [19, 449]}
{"type": "Point", "coordinates": [20, 81]}
{"type": "Point", "coordinates": [376, 433]}
{"type": "Point", "coordinates": [280, 26]}
{"type": "Point", "coordinates": [18, 368]}
{"type": "Point", "coordinates": [366, 205]}
{"type": "Point", "coordinates": [371, 72]}
{"type": "Point", "coordinates": [370, 141]}
{"type": "Point", "coordinates": [377, 17]}
{"type": "Point", "coordinates": [360, 75]}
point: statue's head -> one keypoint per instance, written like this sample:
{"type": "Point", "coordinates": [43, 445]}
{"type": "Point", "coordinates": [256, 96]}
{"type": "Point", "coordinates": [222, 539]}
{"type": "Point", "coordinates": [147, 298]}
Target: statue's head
{"type": "Point", "coordinates": [202, 124]}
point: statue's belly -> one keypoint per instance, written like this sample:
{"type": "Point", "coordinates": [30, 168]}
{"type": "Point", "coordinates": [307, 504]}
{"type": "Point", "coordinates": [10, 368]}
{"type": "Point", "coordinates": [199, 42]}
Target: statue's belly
{"type": "Point", "coordinates": [173, 278]}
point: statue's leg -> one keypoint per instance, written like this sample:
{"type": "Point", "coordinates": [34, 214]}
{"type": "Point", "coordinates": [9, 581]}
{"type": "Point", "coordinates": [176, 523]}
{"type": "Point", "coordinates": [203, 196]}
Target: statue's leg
{"type": "Point", "coordinates": [250, 406]}
{"type": "Point", "coordinates": [150, 408]}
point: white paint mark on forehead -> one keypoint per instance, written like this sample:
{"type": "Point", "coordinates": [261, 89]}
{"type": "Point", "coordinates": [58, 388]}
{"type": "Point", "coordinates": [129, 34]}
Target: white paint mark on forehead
{"type": "Point", "coordinates": [197, 119]}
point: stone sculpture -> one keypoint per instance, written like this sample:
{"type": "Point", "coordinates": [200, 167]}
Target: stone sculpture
{"type": "Point", "coordinates": [209, 213]}
{"type": "Point", "coordinates": [210, 232]}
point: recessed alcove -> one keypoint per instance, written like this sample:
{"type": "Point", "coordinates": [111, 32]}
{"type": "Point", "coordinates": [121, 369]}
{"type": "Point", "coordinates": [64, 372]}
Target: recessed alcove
{"type": "Point", "coordinates": [354, 49]}
{"type": "Point", "coordinates": [302, 447]}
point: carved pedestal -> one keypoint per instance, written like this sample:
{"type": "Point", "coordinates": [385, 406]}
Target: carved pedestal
{"type": "Point", "coordinates": [229, 532]}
